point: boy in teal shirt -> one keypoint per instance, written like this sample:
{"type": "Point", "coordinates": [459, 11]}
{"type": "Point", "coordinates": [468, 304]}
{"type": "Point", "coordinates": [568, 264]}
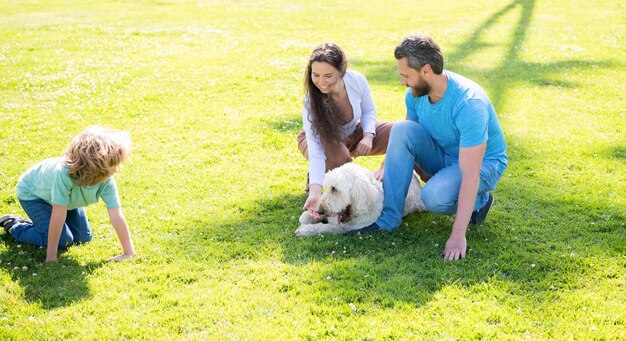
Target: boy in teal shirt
{"type": "Point", "coordinates": [54, 192]}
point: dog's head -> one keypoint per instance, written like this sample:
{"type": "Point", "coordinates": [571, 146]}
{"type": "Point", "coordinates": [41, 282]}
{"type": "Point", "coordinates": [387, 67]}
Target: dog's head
{"type": "Point", "coordinates": [348, 190]}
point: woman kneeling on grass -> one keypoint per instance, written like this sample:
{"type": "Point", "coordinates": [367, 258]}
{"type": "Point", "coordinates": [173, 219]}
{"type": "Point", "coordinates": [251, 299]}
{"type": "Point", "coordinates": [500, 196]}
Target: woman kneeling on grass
{"type": "Point", "coordinates": [55, 191]}
{"type": "Point", "coordinates": [339, 119]}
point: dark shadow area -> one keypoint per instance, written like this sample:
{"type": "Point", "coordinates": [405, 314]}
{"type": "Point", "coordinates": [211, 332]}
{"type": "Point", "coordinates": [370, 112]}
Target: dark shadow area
{"type": "Point", "coordinates": [405, 266]}
{"type": "Point", "coordinates": [511, 71]}
{"type": "Point", "coordinates": [291, 125]}
{"type": "Point", "coordinates": [618, 153]}
{"type": "Point", "coordinates": [473, 43]}
{"type": "Point", "coordinates": [528, 240]}
{"type": "Point", "coordinates": [547, 74]}
{"type": "Point", "coordinates": [382, 71]}
{"type": "Point", "coordinates": [52, 285]}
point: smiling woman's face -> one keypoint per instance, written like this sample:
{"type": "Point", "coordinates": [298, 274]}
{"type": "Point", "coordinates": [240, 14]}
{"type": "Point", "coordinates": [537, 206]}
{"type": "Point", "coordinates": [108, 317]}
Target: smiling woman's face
{"type": "Point", "coordinates": [324, 76]}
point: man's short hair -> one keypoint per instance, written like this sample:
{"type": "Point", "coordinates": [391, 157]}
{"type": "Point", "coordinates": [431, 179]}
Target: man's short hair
{"type": "Point", "coordinates": [420, 50]}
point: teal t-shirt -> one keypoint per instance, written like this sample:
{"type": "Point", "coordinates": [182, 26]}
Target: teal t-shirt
{"type": "Point", "coordinates": [49, 180]}
{"type": "Point", "coordinates": [463, 118]}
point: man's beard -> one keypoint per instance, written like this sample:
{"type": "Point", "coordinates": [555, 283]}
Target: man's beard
{"type": "Point", "coordinates": [419, 91]}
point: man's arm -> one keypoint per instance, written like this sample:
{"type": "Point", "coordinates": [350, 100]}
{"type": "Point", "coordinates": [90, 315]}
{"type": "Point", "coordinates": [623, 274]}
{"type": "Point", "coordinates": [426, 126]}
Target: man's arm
{"type": "Point", "coordinates": [470, 162]}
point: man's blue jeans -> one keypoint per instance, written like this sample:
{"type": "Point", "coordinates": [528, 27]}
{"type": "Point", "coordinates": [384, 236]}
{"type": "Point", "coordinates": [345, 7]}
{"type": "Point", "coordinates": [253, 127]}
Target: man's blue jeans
{"type": "Point", "coordinates": [75, 230]}
{"type": "Point", "coordinates": [410, 145]}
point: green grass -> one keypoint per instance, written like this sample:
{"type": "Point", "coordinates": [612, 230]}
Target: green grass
{"type": "Point", "coordinates": [211, 93]}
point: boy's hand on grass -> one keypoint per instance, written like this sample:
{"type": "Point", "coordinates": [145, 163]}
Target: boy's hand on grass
{"type": "Point", "coordinates": [51, 257]}
{"type": "Point", "coordinates": [121, 257]}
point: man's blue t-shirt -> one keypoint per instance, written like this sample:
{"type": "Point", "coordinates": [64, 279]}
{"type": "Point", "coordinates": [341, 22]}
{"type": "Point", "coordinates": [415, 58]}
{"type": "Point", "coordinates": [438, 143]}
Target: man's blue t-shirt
{"type": "Point", "coordinates": [464, 117]}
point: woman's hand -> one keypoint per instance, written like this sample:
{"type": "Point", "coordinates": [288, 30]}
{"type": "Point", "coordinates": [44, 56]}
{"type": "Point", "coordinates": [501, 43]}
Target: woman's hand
{"type": "Point", "coordinates": [365, 145]}
{"type": "Point", "coordinates": [312, 203]}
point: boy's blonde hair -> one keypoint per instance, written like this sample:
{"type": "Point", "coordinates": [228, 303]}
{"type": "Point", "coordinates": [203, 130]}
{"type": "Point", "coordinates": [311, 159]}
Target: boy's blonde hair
{"type": "Point", "coordinates": [95, 153]}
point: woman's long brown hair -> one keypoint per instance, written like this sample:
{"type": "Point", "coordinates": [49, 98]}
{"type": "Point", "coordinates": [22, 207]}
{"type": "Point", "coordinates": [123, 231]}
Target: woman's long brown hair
{"type": "Point", "coordinates": [325, 115]}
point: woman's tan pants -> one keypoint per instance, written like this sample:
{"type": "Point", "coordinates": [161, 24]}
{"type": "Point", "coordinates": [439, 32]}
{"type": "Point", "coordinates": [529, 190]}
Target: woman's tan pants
{"type": "Point", "coordinates": [342, 153]}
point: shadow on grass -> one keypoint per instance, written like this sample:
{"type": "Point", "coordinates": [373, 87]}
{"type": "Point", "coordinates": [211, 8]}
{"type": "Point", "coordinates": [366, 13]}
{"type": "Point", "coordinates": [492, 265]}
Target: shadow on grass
{"type": "Point", "coordinates": [618, 153]}
{"type": "Point", "coordinates": [291, 126]}
{"type": "Point", "coordinates": [381, 71]}
{"type": "Point", "coordinates": [380, 268]}
{"type": "Point", "coordinates": [499, 79]}
{"type": "Point", "coordinates": [532, 244]}
{"type": "Point", "coordinates": [513, 70]}
{"type": "Point", "coordinates": [50, 285]}
{"type": "Point", "coordinates": [529, 243]}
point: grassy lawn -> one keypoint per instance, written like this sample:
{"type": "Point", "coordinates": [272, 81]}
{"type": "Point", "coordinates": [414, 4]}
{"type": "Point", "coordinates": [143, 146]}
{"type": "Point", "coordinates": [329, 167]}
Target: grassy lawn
{"type": "Point", "coordinates": [211, 93]}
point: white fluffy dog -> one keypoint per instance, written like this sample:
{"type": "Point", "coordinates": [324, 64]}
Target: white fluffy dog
{"type": "Point", "coordinates": [352, 199]}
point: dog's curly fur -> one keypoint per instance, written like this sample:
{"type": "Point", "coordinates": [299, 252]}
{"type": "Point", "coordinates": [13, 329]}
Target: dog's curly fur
{"type": "Point", "coordinates": [353, 199]}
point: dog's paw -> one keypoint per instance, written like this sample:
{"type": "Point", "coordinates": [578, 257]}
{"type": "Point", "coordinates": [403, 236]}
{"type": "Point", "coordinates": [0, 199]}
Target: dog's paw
{"type": "Point", "coordinates": [305, 230]}
{"type": "Point", "coordinates": [305, 218]}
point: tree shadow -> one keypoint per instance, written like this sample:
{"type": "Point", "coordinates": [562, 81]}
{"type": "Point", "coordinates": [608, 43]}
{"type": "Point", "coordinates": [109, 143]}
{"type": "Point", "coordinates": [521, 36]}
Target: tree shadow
{"type": "Point", "coordinates": [384, 269]}
{"type": "Point", "coordinates": [50, 285]}
{"type": "Point", "coordinates": [378, 71]}
{"type": "Point", "coordinates": [512, 69]}
{"type": "Point", "coordinates": [527, 241]}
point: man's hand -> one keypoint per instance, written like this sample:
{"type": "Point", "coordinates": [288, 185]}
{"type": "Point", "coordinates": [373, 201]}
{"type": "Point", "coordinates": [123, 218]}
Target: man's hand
{"type": "Point", "coordinates": [365, 145]}
{"type": "Point", "coordinates": [456, 247]}
{"type": "Point", "coordinates": [378, 174]}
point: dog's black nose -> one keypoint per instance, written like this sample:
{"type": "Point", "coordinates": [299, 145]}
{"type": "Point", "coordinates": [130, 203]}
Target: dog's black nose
{"type": "Point", "coordinates": [320, 210]}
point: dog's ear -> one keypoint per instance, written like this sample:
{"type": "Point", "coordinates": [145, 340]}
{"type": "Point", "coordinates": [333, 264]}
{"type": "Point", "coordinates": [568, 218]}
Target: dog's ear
{"type": "Point", "coordinates": [342, 183]}
{"type": "Point", "coordinates": [363, 190]}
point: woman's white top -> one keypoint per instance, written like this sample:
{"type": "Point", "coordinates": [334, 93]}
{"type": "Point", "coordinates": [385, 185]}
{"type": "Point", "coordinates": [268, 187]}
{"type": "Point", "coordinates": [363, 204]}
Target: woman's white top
{"type": "Point", "coordinates": [363, 110]}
